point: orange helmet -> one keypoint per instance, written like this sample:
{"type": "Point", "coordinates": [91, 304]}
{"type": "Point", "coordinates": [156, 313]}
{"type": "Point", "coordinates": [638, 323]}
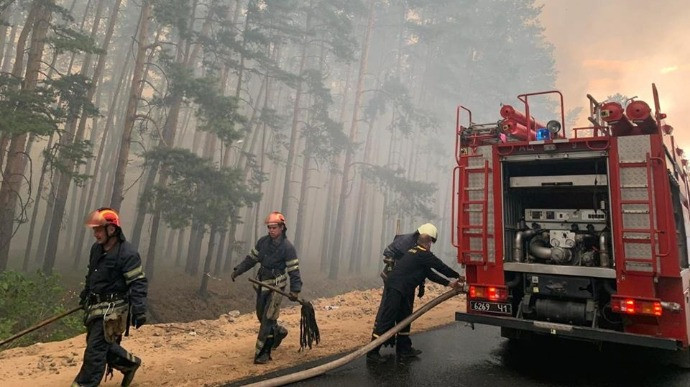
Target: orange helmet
{"type": "Point", "coordinates": [102, 217]}
{"type": "Point", "coordinates": [275, 217]}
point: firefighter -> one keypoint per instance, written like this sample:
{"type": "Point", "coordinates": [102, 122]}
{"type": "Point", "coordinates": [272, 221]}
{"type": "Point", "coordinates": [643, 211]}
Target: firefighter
{"type": "Point", "coordinates": [114, 297]}
{"type": "Point", "coordinates": [398, 292]}
{"type": "Point", "coordinates": [394, 251]}
{"type": "Point", "coordinates": [400, 245]}
{"type": "Point", "coordinates": [278, 262]}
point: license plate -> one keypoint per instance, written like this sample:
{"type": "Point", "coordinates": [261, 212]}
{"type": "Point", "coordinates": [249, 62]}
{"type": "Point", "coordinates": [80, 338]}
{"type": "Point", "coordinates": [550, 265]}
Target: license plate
{"type": "Point", "coordinates": [491, 307]}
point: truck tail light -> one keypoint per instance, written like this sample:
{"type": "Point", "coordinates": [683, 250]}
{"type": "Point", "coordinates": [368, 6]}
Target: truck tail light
{"type": "Point", "coordinates": [491, 293]}
{"type": "Point", "coordinates": [636, 306]}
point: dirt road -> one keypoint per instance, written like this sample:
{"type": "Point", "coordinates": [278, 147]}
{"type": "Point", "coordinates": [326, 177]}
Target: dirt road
{"type": "Point", "coordinates": [211, 352]}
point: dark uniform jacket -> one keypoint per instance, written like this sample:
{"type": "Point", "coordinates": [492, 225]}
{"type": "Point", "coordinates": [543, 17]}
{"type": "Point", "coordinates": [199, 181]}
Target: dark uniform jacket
{"type": "Point", "coordinates": [400, 245]}
{"type": "Point", "coordinates": [416, 265]}
{"type": "Point", "coordinates": [116, 275]}
{"type": "Point", "coordinates": [278, 260]}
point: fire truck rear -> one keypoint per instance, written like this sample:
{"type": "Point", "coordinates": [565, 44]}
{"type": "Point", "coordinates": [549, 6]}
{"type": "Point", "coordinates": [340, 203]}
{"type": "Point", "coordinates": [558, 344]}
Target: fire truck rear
{"type": "Point", "coordinates": [582, 237]}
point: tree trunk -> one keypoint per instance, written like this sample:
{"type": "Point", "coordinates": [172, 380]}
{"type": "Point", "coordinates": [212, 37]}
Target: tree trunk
{"type": "Point", "coordinates": [74, 133]}
{"type": "Point", "coordinates": [361, 231]}
{"type": "Point", "coordinates": [180, 246]}
{"type": "Point", "coordinates": [96, 82]}
{"type": "Point", "coordinates": [327, 233]}
{"type": "Point", "coordinates": [7, 56]}
{"type": "Point", "coordinates": [218, 269]}
{"type": "Point", "coordinates": [4, 24]}
{"type": "Point", "coordinates": [332, 187]}
{"type": "Point", "coordinates": [34, 214]}
{"type": "Point", "coordinates": [355, 251]}
{"type": "Point", "coordinates": [120, 169]}
{"type": "Point", "coordinates": [203, 290]}
{"type": "Point", "coordinates": [81, 28]}
{"type": "Point", "coordinates": [169, 244]}
{"type": "Point", "coordinates": [16, 160]}
{"type": "Point", "coordinates": [256, 133]}
{"type": "Point", "coordinates": [340, 217]}
{"type": "Point", "coordinates": [296, 109]}
{"type": "Point", "coordinates": [106, 135]}
{"type": "Point", "coordinates": [194, 251]}
{"type": "Point", "coordinates": [142, 209]}
{"type": "Point", "coordinates": [168, 140]}
{"type": "Point", "coordinates": [303, 200]}
{"type": "Point", "coordinates": [228, 265]}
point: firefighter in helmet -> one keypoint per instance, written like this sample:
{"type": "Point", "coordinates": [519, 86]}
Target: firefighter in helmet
{"type": "Point", "coordinates": [278, 265]}
{"type": "Point", "coordinates": [402, 244]}
{"type": "Point", "coordinates": [114, 297]}
{"type": "Point", "coordinates": [409, 271]}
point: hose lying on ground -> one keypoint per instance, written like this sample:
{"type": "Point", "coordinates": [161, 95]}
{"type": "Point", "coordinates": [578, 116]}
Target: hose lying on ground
{"type": "Point", "coordinates": [319, 370]}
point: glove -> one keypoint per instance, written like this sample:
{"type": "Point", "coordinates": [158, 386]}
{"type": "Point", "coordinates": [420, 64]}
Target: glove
{"type": "Point", "coordinates": [82, 298]}
{"type": "Point", "coordinates": [233, 275]}
{"type": "Point", "coordinates": [293, 296]}
{"type": "Point", "coordinates": [139, 321]}
{"type": "Point", "coordinates": [420, 291]}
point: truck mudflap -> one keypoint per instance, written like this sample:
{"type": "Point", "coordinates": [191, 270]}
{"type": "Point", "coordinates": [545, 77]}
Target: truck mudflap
{"type": "Point", "coordinates": [570, 331]}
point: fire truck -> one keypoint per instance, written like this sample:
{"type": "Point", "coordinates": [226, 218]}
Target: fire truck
{"type": "Point", "coordinates": [581, 235]}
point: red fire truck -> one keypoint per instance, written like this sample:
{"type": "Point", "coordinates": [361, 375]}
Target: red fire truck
{"type": "Point", "coordinates": [583, 237]}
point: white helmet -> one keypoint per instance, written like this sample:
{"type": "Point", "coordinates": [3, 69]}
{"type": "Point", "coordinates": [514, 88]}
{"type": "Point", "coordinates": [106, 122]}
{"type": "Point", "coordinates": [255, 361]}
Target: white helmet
{"type": "Point", "coordinates": [428, 229]}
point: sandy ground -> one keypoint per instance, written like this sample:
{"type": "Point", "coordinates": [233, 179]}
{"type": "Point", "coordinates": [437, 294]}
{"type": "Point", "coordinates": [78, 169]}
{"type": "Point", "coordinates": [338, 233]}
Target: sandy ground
{"type": "Point", "coordinates": [211, 352]}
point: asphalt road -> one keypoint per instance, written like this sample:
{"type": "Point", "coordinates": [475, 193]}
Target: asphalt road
{"type": "Point", "coordinates": [459, 356]}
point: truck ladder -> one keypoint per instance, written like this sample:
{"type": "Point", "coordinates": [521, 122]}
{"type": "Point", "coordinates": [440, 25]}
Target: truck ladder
{"type": "Point", "coordinates": [637, 203]}
{"type": "Point", "coordinates": [473, 203]}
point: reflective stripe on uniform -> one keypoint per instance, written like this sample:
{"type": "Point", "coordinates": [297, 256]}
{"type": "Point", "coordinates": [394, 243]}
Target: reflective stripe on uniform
{"type": "Point", "coordinates": [134, 274]}
{"type": "Point", "coordinates": [403, 333]}
{"type": "Point", "coordinates": [254, 254]}
{"type": "Point", "coordinates": [292, 265]}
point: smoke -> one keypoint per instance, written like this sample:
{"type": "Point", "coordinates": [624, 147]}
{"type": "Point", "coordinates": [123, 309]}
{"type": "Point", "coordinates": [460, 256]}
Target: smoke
{"type": "Point", "coordinates": [622, 46]}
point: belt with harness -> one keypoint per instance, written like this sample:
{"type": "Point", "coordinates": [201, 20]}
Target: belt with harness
{"type": "Point", "coordinates": [94, 298]}
{"type": "Point", "coordinates": [275, 277]}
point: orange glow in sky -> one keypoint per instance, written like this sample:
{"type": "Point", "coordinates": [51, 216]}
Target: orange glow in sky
{"type": "Point", "coordinates": [622, 46]}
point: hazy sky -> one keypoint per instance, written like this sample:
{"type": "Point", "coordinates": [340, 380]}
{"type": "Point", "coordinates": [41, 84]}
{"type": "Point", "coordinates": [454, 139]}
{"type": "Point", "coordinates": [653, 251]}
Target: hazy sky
{"type": "Point", "coordinates": [622, 46]}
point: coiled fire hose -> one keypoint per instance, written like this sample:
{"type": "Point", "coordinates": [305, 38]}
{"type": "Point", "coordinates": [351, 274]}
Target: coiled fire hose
{"type": "Point", "coordinates": [319, 370]}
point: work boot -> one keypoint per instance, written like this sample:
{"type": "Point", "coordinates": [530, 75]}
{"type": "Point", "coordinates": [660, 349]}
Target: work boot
{"type": "Point", "coordinates": [409, 353]}
{"type": "Point", "coordinates": [375, 357]}
{"type": "Point", "coordinates": [129, 374]}
{"type": "Point", "coordinates": [280, 334]}
{"type": "Point", "coordinates": [262, 358]}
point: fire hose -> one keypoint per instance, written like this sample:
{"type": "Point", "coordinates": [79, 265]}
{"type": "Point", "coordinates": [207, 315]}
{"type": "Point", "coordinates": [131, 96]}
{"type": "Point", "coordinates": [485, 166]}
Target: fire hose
{"type": "Point", "coordinates": [319, 370]}
{"type": "Point", "coordinates": [41, 324]}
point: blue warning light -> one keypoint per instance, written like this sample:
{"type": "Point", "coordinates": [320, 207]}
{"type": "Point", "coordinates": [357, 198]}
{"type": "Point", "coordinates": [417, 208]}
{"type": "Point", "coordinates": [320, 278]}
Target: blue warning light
{"type": "Point", "coordinates": [543, 134]}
